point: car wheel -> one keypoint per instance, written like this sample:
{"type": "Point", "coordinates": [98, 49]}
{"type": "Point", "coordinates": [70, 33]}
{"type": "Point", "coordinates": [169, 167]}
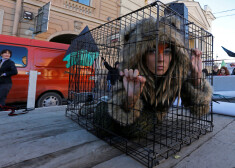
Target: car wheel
{"type": "Point", "coordinates": [49, 99]}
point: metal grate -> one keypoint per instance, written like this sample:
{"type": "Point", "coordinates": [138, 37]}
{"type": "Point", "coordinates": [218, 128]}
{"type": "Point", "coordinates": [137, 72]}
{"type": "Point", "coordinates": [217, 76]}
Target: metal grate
{"type": "Point", "coordinates": [152, 123]}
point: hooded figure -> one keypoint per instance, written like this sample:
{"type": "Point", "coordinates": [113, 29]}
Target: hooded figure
{"type": "Point", "coordinates": [152, 82]}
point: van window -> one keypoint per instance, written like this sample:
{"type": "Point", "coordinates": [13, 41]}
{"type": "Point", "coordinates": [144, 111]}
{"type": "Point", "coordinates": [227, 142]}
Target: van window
{"type": "Point", "coordinates": [19, 54]}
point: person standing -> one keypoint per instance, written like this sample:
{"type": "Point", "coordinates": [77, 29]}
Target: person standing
{"type": "Point", "coordinates": [223, 71]}
{"type": "Point", "coordinates": [233, 72]}
{"type": "Point", "coordinates": [7, 69]}
{"type": "Point", "coordinates": [215, 70]}
{"type": "Point", "coordinates": [113, 74]}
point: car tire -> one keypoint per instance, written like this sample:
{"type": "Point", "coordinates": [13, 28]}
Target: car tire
{"type": "Point", "coordinates": [49, 99]}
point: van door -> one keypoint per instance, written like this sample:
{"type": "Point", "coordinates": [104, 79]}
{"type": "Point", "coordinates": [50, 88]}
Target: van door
{"type": "Point", "coordinates": [49, 62]}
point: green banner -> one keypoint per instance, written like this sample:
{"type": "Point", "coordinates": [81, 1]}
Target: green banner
{"type": "Point", "coordinates": [82, 57]}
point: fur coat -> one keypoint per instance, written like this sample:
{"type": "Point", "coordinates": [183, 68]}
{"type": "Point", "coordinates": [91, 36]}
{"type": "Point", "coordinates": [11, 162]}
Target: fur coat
{"type": "Point", "coordinates": [158, 93]}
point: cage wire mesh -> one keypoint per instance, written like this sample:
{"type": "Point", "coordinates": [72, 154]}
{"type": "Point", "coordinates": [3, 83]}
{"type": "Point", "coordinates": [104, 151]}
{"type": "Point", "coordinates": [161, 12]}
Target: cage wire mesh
{"type": "Point", "coordinates": [137, 83]}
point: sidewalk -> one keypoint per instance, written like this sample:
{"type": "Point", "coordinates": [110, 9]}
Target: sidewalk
{"type": "Point", "coordinates": [45, 138]}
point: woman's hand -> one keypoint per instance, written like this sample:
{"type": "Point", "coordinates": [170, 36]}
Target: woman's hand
{"type": "Point", "coordinates": [133, 84]}
{"type": "Point", "coordinates": [196, 67]}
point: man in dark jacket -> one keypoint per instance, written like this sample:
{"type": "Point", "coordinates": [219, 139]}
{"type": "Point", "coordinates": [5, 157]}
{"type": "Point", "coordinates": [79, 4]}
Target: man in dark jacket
{"type": "Point", "coordinates": [7, 69]}
{"type": "Point", "coordinates": [113, 74]}
{"type": "Point", "coordinates": [215, 70]}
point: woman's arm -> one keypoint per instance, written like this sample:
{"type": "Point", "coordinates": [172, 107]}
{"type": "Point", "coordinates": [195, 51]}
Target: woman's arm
{"type": "Point", "coordinates": [126, 104]}
{"type": "Point", "coordinates": [197, 98]}
{"type": "Point", "coordinates": [196, 92]}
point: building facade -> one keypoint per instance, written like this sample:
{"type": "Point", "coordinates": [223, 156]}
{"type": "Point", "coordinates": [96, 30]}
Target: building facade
{"type": "Point", "coordinates": [67, 17]}
{"type": "Point", "coordinates": [201, 16]}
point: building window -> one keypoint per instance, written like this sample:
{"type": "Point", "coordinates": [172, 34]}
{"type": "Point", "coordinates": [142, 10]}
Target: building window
{"type": "Point", "coordinates": [85, 2]}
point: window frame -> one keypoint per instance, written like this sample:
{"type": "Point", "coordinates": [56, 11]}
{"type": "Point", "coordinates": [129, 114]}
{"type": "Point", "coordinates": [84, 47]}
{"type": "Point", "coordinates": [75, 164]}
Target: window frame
{"type": "Point", "coordinates": [78, 1]}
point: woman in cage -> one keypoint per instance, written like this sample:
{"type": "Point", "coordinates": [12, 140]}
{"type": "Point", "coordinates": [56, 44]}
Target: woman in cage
{"type": "Point", "coordinates": [152, 81]}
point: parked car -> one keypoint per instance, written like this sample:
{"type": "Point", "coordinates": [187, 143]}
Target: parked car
{"type": "Point", "coordinates": [46, 58]}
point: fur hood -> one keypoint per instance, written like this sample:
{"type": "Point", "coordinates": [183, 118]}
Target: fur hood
{"type": "Point", "coordinates": [146, 34]}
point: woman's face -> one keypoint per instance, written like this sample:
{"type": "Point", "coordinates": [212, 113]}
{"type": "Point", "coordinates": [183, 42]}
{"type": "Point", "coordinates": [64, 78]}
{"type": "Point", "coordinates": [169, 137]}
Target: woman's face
{"type": "Point", "coordinates": [163, 59]}
{"type": "Point", "coordinates": [6, 55]}
{"type": "Point", "coordinates": [223, 71]}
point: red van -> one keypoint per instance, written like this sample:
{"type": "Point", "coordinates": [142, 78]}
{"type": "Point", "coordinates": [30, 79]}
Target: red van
{"type": "Point", "coordinates": [44, 57]}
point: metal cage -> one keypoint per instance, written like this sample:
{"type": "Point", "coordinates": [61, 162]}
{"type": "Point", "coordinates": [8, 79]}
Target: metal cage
{"type": "Point", "coordinates": [158, 122]}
